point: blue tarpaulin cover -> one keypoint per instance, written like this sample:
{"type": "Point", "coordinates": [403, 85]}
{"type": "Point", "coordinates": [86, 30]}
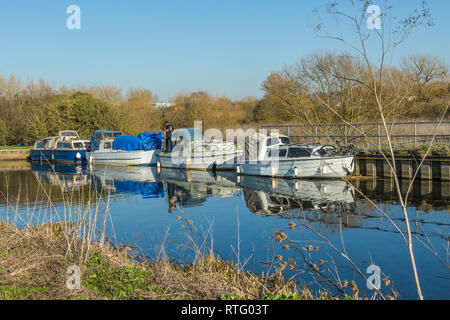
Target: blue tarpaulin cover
{"type": "Point", "coordinates": [147, 189]}
{"type": "Point", "coordinates": [143, 141]}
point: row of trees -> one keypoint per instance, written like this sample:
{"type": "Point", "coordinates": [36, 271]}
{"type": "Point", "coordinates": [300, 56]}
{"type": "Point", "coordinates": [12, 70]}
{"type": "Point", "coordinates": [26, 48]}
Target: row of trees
{"type": "Point", "coordinates": [303, 92]}
{"type": "Point", "coordinates": [419, 88]}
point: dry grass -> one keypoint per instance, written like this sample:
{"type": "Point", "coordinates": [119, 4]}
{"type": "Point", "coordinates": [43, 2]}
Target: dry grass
{"type": "Point", "coordinates": [34, 262]}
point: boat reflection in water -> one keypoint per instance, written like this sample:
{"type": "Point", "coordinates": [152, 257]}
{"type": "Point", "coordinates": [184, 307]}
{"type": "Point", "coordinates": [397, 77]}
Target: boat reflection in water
{"type": "Point", "coordinates": [292, 198]}
{"type": "Point", "coordinates": [191, 188]}
{"type": "Point", "coordinates": [127, 180]}
{"type": "Point", "coordinates": [68, 177]}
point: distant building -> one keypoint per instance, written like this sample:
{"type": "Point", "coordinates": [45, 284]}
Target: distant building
{"type": "Point", "coordinates": [163, 104]}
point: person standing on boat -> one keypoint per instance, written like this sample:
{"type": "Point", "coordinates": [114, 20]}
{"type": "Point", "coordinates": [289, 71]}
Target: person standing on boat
{"type": "Point", "coordinates": [168, 129]}
{"type": "Point", "coordinates": [164, 128]}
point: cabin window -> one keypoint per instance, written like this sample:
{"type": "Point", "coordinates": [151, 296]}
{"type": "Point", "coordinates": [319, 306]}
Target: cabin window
{"type": "Point", "coordinates": [272, 142]}
{"type": "Point", "coordinates": [40, 145]}
{"type": "Point", "coordinates": [285, 140]}
{"type": "Point", "coordinates": [69, 134]}
{"type": "Point", "coordinates": [107, 145]}
{"type": "Point", "coordinates": [64, 145]}
{"type": "Point", "coordinates": [277, 153]}
{"type": "Point", "coordinates": [78, 145]}
{"type": "Point", "coordinates": [298, 152]}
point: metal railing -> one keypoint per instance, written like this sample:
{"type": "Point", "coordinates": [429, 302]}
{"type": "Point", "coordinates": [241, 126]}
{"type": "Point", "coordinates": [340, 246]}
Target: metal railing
{"type": "Point", "coordinates": [364, 134]}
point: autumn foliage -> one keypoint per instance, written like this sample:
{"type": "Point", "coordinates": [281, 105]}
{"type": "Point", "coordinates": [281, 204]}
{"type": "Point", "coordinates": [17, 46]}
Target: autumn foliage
{"type": "Point", "coordinates": [300, 93]}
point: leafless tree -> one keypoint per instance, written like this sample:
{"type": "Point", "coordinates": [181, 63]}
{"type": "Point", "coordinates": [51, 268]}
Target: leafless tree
{"type": "Point", "coordinates": [384, 33]}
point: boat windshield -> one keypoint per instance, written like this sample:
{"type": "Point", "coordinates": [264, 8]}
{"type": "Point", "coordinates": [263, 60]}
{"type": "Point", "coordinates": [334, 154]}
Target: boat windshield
{"type": "Point", "coordinates": [285, 140]}
{"type": "Point", "coordinates": [39, 145]}
{"type": "Point", "coordinates": [189, 134]}
{"type": "Point", "coordinates": [68, 134]}
{"type": "Point", "coordinates": [100, 135]}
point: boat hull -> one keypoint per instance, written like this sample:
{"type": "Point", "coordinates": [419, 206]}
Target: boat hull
{"type": "Point", "coordinates": [332, 167]}
{"type": "Point", "coordinates": [55, 155]}
{"type": "Point", "coordinates": [126, 158]}
{"type": "Point", "coordinates": [131, 173]}
{"type": "Point", "coordinates": [220, 162]}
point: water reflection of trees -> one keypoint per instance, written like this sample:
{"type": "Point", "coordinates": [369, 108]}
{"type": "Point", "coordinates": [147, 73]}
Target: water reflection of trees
{"type": "Point", "coordinates": [44, 183]}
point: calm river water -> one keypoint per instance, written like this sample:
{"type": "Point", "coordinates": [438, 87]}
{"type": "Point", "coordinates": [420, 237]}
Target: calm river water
{"type": "Point", "coordinates": [238, 217]}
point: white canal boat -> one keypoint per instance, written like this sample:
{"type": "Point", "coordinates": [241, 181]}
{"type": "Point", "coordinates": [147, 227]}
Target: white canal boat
{"type": "Point", "coordinates": [111, 147]}
{"type": "Point", "coordinates": [192, 150]}
{"type": "Point", "coordinates": [273, 156]}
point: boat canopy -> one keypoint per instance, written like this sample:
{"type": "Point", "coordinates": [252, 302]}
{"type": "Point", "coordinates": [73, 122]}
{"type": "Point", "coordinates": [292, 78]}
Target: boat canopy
{"type": "Point", "coordinates": [100, 135]}
{"type": "Point", "coordinates": [143, 141]}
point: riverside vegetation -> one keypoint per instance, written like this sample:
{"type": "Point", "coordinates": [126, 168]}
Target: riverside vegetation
{"type": "Point", "coordinates": [35, 257]}
{"type": "Point", "coordinates": [34, 263]}
{"type": "Point", "coordinates": [37, 248]}
{"type": "Point", "coordinates": [419, 88]}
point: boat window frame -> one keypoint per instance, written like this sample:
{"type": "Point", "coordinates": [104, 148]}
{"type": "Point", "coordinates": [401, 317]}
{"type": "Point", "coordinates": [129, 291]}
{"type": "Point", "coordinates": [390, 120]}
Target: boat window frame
{"type": "Point", "coordinates": [66, 145]}
{"type": "Point", "coordinates": [281, 153]}
{"type": "Point", "coordinates": [39, 145]}
{"type": "Point", "coordinates": [109, 143]}
{"type": "Point", "coordinates": [286, 139]}
{"type": "Point", "coordinates": [269, 140]}
{"type": "Point", "coordinates": [309, 151]}
{"type": "Point", "coordinates": [81, 143]}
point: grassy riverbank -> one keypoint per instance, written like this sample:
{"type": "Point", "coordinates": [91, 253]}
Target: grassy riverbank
{"type": "Point", "coordinates": [15, 148]}
{"type": "Point", "coordinates": [34, 264]}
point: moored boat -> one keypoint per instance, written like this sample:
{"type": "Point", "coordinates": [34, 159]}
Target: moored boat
{"type": "Point", "coordinates": [111, 147]}
{"type": "Point", "coordinates": [271, 156]}
{"type": "Point", "coordinates": [67, 147]}
{"type": "Point", "coordinates": [193, 150]}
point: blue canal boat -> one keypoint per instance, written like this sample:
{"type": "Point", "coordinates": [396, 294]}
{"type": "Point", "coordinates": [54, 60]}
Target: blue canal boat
{"type": "Point", "coordinates": [67, 147]}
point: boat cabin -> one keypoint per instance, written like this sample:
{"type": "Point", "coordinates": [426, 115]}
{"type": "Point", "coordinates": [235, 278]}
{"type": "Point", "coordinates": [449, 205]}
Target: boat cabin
{"type": "Point", "coordinates": [46, 143]}
{"type": "Point", "coordinates": [301, 151]}
{"type": "Point", "coordinates": [260, 145]}
{"type": "Point", "coordinates": [265, 147]}
{"type": "Point", "coordinates": [66, 139]}
{"type": "Point", "coordinates": [100, 135]}
{"type": "Point", "coordinates": [106, 145]}
{"type": "Point", "coordinates": [73, 144]}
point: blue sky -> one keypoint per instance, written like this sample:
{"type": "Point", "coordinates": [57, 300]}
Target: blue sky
{"type": "Point", "coordinates": [224, 47]}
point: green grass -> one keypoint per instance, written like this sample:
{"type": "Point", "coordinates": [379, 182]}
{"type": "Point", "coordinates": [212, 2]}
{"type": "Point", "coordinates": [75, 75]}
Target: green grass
{"type": "Point", "coordinates": [18, 293]}
{"type": "Point", "coordinates": [127, 282]}
{"type": "Point", "coordinates": [14, 148]}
